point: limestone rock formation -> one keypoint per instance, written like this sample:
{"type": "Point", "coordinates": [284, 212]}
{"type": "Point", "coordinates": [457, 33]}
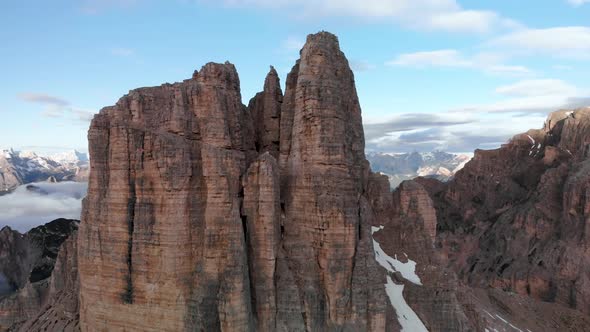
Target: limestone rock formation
{"type": "Point", "coordinates": [28, 266]}
{"type": "Point", "coordinates": [161, 245]}
{"type": "Point", "coordinates": [531, 238]}
{"type": "Point", "coordinates": [404, 238]}
{"type": "Point", "coordinates": [191, 222]}
{"type": "Point", "coordinates": [326, 177]}
{"type": "Point", "coordinates": [436, 299]}
{"type": "Point", "coordinates": [265, 109]}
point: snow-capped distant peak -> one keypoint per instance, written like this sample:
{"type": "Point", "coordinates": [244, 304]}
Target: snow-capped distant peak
{"type": "Point", "coordinates": [69, 157]}
{"type": "Point", "coordinates": [405, 166]}
{"type": "Point", "coordinates": [27, 155]}
{"type": "Point", "coordinates": [22, 167]}
{"type": "Point", "coordinates": [8, 153]}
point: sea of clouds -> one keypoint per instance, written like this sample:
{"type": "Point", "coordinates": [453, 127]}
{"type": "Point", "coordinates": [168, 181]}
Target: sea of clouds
{"type": "Point", "coordinates": [24, 209]}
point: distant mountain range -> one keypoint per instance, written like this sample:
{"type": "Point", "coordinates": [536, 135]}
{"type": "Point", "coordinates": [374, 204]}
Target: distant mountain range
{"type": "Point", "coordinates": [405, 166]}
{"type": "Point", "coordinates": [22, 167]}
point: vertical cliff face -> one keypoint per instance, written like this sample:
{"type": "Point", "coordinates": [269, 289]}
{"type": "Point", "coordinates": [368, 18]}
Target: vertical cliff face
{"type": "Point", "coordinates": [325, 177]}
{"type": "Point", "coordinates": [191, 222]}
{"type": "Point", "coordinates": [161, 244]}
{"type": "Point", "coordinates": [516, 218]}
{"type": "Point", "coordinates": [265, 109]}
{"type": "Point", "coordinates": [261, 214]}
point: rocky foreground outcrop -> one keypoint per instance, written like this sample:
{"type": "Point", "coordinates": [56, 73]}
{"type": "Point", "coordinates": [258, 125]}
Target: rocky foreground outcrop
{"type": "Point", "coordinates": [38, 270]}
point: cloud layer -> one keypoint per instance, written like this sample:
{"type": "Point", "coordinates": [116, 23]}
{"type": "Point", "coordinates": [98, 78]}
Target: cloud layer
{"type": "Point", "coordinates": [446, 15]}
{"type": "Point", "coordinates": [56, 107]}
{"type": "Point", "coordinates": [450, 58]}
{"type": "Point", "coordinates": [577, 2]}
{"type": "Point", "coordinates": [564, 42]}
{"type": "Point", "coordinates": [24, 209]}
{"type": "Point", "coordinates": [522, 105]}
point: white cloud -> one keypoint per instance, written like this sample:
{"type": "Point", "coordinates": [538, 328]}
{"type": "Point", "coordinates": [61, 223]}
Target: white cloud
{"type": "Point", "coordinates": [446, 15]}
{"type": "Point", "coordinates": [541, 87]}
{"type": "Point", "coordinates": [522, 105]}
{"type": "Point", "coordinates": [24, 209]}
{"type": "Point", "coordinates": [577, 2]}
{"type": "Point", "coordinates": [42, 98]}
{"type": "Point", "coordinates": [482, 131]}
{"type": "Point", "coordinates": [440, 58]}
{"type": "Point", "coordinates": [487, 62]}
{"type": "Point", "coordinates": [539, 96]}
{"type": "Point", "coordinates": [573, 42]}
{"type": "Point", "coordinates": [56, 107]}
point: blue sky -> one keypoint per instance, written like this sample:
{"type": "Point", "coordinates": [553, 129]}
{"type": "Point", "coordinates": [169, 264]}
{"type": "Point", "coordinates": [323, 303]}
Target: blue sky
{"type": "Point", "coordinates": [450, 75]}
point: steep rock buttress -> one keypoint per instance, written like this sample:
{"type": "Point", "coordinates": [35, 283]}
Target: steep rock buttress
{"type": "Point", "coordinates": [203, 214]}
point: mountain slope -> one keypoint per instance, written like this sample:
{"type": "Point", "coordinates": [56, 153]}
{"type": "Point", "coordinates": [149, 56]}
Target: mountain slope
{"type": "Point", "coordinates": [17, 168]}
{"type": "Point", "coordinates": [516, 218]}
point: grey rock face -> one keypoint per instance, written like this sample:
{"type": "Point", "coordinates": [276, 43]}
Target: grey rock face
{"type": "Point", "coordinates": [27, 268]}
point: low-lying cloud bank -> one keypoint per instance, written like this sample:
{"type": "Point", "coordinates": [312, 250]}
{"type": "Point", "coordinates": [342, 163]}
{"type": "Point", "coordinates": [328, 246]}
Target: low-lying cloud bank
{"type": "Point", "coordinates": [24, 209]}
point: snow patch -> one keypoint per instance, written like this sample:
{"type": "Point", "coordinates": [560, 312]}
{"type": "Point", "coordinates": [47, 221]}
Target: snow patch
{"type": "Point", "coordinates": [405, 315]}
{"type": "Point", "coordinates": [407, 270]}
{"type": "Point", "coordinates": [376, 229]}
{"type": "Point", "coordinates": [532, 139]}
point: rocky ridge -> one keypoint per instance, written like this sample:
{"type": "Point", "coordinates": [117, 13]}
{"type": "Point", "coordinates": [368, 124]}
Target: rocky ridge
{"type": "Point", "coordinates": [511, 227]}
{"type": "Point", "coordinates": [37, 268]}
{"type": "Point", "coordinates": [515, 218]}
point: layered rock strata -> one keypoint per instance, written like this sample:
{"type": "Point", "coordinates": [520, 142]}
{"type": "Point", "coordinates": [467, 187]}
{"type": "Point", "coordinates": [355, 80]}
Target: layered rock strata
{"type": "Point", "coordinates": [191, 222]}
{"type": "Point", "coordinates": [515, 218]}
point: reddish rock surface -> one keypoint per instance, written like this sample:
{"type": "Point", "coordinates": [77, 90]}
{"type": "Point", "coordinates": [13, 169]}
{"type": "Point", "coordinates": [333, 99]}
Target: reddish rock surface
{"type": "Point", "coordinates": [265, 109]}
{"type": "Point", "coordinates": [161, 246]}
{"type": "Point", "coordinates": [514, 220]}
{"type": "Point", "coordinates": [185, 228]}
